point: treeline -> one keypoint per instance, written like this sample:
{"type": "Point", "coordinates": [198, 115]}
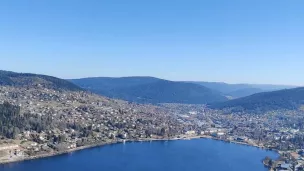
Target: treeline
{"type": "Point", "coordinates": [12, 123]}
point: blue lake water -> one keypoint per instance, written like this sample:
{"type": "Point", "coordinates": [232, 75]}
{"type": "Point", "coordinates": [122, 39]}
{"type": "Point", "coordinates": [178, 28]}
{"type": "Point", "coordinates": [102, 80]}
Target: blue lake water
{"type": "Point", "coordinates": [181, 155]}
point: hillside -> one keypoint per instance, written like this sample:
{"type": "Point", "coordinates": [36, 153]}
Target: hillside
{"type": "Point", "coordinates": [150, 90]}
{"type": "Point", "coordinates": [44, 110]}
{"type": "Point", "coordinates": [290, 99]}
{"type": "Point", "coordinates": [8, 78]}
{"type": "Point", "coordinates": [103, 85]}
{"type": "Point", "coordinates": [170, 92]}
{"type": "Point", "coordinates": [241, 90]}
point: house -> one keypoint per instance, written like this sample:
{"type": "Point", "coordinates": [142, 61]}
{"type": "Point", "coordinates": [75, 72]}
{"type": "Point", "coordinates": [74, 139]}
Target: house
{"type": "Point", "coordinates": [241, 139]}
{"type": "Point", "coordinates": [190, 133]}
{"type": "Point", "coordinates": [285, 166]}
{"type": "Point", "coordinates": [220, 133]}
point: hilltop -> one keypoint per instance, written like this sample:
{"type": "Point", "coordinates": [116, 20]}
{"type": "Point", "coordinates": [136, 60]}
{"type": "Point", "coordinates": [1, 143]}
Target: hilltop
{"type": "Point", "coordinates": [8, 78]}
{"type": "Point", "coordinates": [288, 99]}
{"type": "Point", "coordinates": [150, 90]}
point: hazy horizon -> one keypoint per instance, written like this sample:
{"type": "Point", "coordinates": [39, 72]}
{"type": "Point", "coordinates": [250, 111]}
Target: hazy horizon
{"type": "Point", "coordinates": [163, 79]}
{"type": "Point", "coordinates": [182, 80]}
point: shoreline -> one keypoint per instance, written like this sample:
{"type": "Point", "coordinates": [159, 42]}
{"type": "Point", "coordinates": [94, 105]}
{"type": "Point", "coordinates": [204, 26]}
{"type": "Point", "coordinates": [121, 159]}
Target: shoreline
{"type": "Point", "coordinates": [130, 140]}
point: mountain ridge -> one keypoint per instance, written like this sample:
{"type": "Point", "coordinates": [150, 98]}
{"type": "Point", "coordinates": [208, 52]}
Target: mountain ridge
{"type": "Point", "coordinates": [232, 91]}
{"type": "Point", "coordinates": [241, 90]}
{"type": "Point", "coordinates": [150, 90]}
{"type": "Point", "coordinates": [289, 99]}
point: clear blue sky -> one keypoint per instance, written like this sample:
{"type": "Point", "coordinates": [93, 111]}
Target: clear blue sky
{"type": "Point", "coordinates": [235, 41]}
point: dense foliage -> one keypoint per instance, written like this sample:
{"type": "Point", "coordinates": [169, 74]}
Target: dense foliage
{"type": "Point", "coordinates": [9, 120]}
{"type": "Point", "coordinates": [109, 83]}
{"type": "Point", "coordinates": [150, 90]}
{"type": "Point", "coordinates": [12, 122]}
{"type": "Point", "coordinates": [25, 80]}
{"type": "Point", "coordinates": [289, 99]}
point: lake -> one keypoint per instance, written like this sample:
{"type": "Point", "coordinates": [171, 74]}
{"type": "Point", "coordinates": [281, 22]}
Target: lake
{"type": "Point", "coordinates": [179, 155]}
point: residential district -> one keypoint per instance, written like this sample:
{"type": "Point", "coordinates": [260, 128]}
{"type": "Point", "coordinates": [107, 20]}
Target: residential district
{"type": "Point", "coordinates": [60, 121]}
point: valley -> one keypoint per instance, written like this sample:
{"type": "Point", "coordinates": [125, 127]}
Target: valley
{"type": "Point", "coordinates": [41, 117]}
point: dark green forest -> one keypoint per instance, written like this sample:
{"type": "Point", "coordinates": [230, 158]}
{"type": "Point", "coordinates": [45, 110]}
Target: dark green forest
{"type": "Point", "coordinates": [150, 90]}
{"type": "Point", "coordinates": [12, 122]}
{"type": "Point", "coordinates": [289, 99]}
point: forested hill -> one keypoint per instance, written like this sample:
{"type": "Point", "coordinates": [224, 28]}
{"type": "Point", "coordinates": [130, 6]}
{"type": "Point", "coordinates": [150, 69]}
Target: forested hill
{"type": "Point", "coordinates": [150, 90]}
{"type": "Point", "coordinates": [10, 119]}
{"type": "Point", "coordinates": [241, 90]}
{"type": "Point", "coordinates": [8, 78]}
{"type": "Point", "coordinates": [290, 99]}
{"type": "Point", "coordinates": [103, 85]}
{"type": "Point", "coordinates": [170, 92]}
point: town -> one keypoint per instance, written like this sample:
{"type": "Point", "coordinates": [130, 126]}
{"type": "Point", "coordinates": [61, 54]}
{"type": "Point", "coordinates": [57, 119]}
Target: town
{"type": "Point", "coordinates": [62, 121]}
